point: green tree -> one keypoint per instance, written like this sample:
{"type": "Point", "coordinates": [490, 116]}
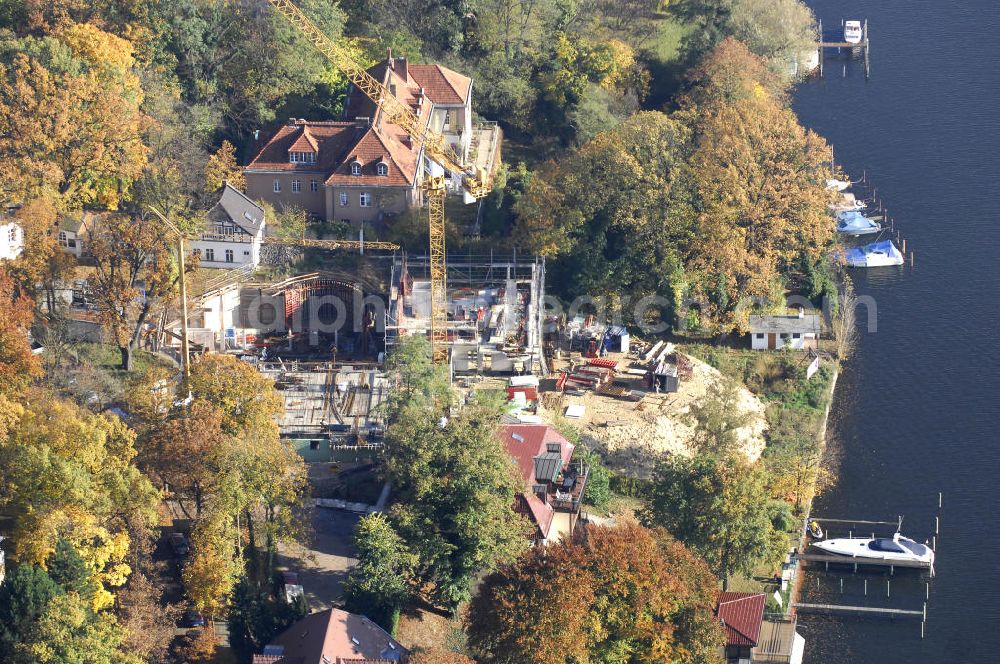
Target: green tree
{"type": "Point", "coordinates": [68, 568]}
{"type": "Point", "coordinates": [69, 632]}
{"type": "Point", "coordinates": [380, 585]}
{"type": "Point", "coordinates": [717, 419]}
{"type": "Point", "coordinates": [720, 509]}
{"type": "Point", "coordinates": [24, 596]}
{"type": "Point", "coordinates": [456, 491]}
{"type": "Point", "coordinates": [598, 491]}
{"type": "Point", "coordinates": [608, 212]}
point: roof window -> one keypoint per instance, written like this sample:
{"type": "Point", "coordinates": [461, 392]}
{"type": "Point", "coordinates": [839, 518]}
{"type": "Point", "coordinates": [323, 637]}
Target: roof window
{"type": "Point", "coordinates": [383, 169]}
{"type": "Point", "coordinates": [355, 167]}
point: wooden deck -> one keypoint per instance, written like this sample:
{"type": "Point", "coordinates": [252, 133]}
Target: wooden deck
{"type": "Point", "coordinates": [861, 610]}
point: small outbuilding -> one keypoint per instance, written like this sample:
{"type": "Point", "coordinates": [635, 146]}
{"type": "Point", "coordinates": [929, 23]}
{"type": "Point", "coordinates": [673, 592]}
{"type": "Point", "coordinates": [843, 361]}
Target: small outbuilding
{"type": "Point", "coordinates": [797, 331]}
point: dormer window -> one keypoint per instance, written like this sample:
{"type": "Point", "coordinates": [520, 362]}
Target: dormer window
{"type": "Point", "coordinates": [382, 169]}
{"type": "Point", "coordinates": [355, 168]}
{"type": "Point", "coordinates": [302, 157]}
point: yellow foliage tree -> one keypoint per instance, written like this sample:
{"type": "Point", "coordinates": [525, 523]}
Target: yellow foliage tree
{"type": "Point", "coordinates": [70, 119]}
{"type": "Point", "coordinates": [222, 167]}
{"type": "Point", "coordinates": [69, 474]}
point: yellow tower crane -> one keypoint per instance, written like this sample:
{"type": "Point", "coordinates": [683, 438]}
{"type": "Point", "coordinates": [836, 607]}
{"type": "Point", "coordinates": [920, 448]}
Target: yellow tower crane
{"type": "Point", "coordinates": [477, 182]}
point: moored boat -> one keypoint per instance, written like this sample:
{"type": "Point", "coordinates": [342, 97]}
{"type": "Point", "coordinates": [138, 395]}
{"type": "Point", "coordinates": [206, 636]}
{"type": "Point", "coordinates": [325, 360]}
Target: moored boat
{"type": "Point", "coordinates": [897, 548]}
{"type": "Point", "coordinates": [853, 32]}
{"type": "Point", "coordinates": [852, 222]}
{"type": "Point", "coordinates": [833, 184]}
{"type": "Point", "coordinates": [876, 254]}
{"type": "Point", "coordinates": [847, 201]}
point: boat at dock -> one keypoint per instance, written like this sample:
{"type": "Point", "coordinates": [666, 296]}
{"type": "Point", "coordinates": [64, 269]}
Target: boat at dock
{"type": "Point", "coordinates": [895, 548]}
{"type": "Point", "coordinates": [852, 222]}
{"type": "Point", "coordinates": [847, 202]}
{"type": "Point", "coordinates": [853, 32]}
{"type": "Point", "coordinates": [876, 254]}
{"type": "Point", "coordinates": [833, 184]}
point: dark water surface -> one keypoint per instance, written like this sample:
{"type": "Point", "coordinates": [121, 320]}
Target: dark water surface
{"type": "Point", "coordinates": [917, 410]}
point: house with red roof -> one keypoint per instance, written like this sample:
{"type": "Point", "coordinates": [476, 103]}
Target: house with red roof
{"type": "Point", "coordinates": [553, 482]}
{"type": "Point", "coordinates": [363, 168]}
{"type": "Point", "coordinates": [753, 636]}
{"type": "Point", "coordinates": [333, 637]}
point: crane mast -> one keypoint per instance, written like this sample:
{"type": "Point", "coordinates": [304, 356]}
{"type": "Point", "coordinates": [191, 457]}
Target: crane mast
{"type": "Point", "coordinates": [477, 182]}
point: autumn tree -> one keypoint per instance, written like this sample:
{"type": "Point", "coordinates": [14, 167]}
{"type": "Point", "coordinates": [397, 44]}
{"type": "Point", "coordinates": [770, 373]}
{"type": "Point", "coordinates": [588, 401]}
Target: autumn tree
{"type": "Point", "coordinates": [70, 119]}
{"type": "Point", "coordinates": [133, 273]}
{"type": "Point", "coordinates": [43, 265]}
{"type": "Point", "coordinates": [379, 586]}
{"type": "Point", "coordinates": [18, 366]}
{"type": "Point", "coordinates": [186, 451]}
{"type": "Point", "coordinates": [720, 508]}
{"type": "Point", "coordinates": [222, 167]}
{"type": "Point", "coordinates": [613, 594]}
{"type": "Point", "coordinates": [778, 30]}
{"type": "Point", "coordinates": [70, 476]}
{"type": "Point", "coordinates": [237, 389]}
{"type": "Point", "coordinates": [439, 656]}
{"type": "Point", "coordinates": [758, 180]}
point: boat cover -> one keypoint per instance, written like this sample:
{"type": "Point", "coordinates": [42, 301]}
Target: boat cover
{"type": "Point", "coordinates": [875, 254]}
{"type": "Point", "coordinates": [852, 221]}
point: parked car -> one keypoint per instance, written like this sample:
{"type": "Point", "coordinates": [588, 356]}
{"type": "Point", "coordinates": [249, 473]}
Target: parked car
{"type": "Point", "coordinates": [179, 544]}
{"type": "Point", "coordinates": [193, 619]}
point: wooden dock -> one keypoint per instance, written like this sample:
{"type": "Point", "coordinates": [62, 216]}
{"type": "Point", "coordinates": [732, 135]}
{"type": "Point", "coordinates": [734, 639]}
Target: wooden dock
{"type": "Point", "coordinates": [860, 610]}
{"type": "Point", "coordinates": [863, 47]}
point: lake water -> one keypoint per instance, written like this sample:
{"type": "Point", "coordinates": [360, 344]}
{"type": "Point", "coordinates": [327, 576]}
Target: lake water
{"type": "Point", "coordinates": [916, 410]}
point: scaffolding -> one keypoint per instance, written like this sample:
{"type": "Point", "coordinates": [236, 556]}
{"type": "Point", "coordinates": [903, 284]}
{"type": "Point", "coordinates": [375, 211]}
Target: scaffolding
{"type": "Point", "coordinates": [495, 309]}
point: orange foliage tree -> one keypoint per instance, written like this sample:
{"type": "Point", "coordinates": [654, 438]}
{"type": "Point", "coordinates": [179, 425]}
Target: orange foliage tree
{"type": "Point", "coordinates": [623, 594]}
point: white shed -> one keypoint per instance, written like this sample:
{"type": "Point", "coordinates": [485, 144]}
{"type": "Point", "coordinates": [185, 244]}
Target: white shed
{"type": "Point", "coordinates": [798, 332]}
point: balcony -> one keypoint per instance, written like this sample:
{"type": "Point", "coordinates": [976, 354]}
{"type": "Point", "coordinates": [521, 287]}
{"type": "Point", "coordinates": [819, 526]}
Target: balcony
{"type": "Point", "coordinates": [566, 493]}
{"type": "Point", "coordinates": [241, 238]}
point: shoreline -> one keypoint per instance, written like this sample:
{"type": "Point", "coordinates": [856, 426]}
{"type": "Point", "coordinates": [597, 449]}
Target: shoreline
{"type": "Point", "coordinates": [793, 594]}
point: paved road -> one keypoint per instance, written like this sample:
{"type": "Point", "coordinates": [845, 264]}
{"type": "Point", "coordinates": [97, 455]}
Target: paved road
{"type": "Point", "coordinates": [324, 565]}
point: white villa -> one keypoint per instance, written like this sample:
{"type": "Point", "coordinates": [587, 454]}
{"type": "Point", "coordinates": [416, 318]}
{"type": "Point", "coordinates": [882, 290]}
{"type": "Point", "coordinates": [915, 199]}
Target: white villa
{"type": "Point", "coordinates": [11, 239]}
{"type": "Point", "coordinates": [233, 232]}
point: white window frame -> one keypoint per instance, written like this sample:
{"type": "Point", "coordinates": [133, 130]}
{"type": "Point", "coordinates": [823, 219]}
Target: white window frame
{"type": "Point", "coordinates": [355, 168]}
{"type": "Point", "coordinates": [344, 199]}
{"type": "Point", "coordinates": [302, 157]}
{"type": "Point", "coordinates": [383, 169]}
{"type": "Point", "coordinates": [210, 255]}
{"type": "Point", "coordinates": [277, 186]}
{"type": "Point", "coordinates": [229, 255]}
{"type": "Point", "coordinates": [365, 199]}
{"type": "Point", "coordinates": [314, 186]}
{"type": "Point", "coordinates": [296, 186]}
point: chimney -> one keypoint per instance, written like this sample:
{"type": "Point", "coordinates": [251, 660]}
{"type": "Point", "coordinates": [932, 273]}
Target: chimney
{"type": "Point", "coordinates": [802, 312]}
{"type": "Point", "coordinates": [292, 122]}
{"type": "Point", "coordinates": [388, 56]}
{"type": "Point", "coordinates": [401, 68]}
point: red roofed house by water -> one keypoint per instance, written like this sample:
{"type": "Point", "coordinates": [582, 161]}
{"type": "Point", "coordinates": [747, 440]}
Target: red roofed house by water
{"type": "Point", "coordinates": [554, 483]}
{"type": "Point", "coordinates": [364, 168]}
{"type": "Point", "coordinates": [755, 637]}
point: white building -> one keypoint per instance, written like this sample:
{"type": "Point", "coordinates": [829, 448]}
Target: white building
{"type": "Point", "coordinates": [233, 232]}
{"type": "Point", "coordinates": [775, 332]}
{"type": "Point", "coordinates": [73, 232]}
{"type": "Point", "coordinates": [11, 239]}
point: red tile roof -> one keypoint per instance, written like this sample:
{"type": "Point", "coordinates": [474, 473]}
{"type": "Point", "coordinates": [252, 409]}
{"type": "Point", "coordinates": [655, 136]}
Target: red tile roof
{"type": "Point", "coordinates": [337, 144]}
{"type": "Point", "coordinates": [334, 635]}
{"type": "Point", "coordinates": [741, 615]}
{"type": "Point", "coordinates": [533, 441]}
{"type": "Point", "coordinates": [442, 86]}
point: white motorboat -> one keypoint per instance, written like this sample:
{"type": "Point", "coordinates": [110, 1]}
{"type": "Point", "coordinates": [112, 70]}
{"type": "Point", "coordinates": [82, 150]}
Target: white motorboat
{"type": "Point", "coordinates": [896, 547]}
{"type": "Point", "coordinates": [876, 254]}
{"type": "Point", "coordinates": [834, 184]}
{"type": "Point", "coordinates": [853, 32]}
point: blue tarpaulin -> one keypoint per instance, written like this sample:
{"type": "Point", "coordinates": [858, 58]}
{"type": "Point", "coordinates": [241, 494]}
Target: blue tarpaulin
{"type": "Point", "coordinates": [853, 222]}
{"type": "Point", "coordinates": [875, 254]}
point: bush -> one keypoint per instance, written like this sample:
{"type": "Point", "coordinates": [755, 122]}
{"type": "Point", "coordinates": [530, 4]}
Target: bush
{"type": "Point", "coordinates": [598, 491]}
